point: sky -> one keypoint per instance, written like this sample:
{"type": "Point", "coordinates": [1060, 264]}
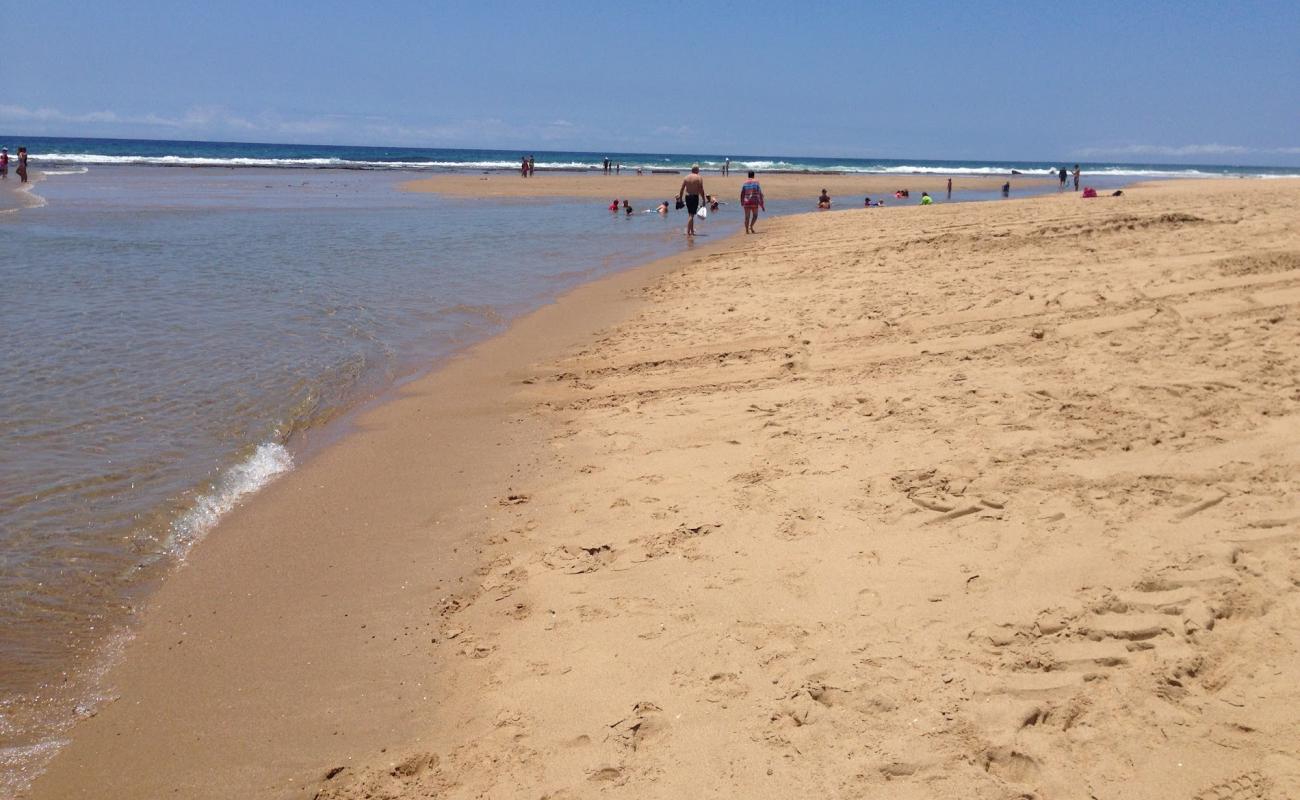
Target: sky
{"type": "Point", "coordinates": [1169, 82]}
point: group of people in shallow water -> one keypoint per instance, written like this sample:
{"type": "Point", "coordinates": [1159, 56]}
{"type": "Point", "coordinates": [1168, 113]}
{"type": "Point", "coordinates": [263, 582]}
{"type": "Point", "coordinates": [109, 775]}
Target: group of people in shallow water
{"type": "Point", "coordinates": [691, 197]}
{"type": "Point", "coordinates": [710, 202]}
{"type": "Point", "coordinates": [824, 200]}
{"type": "Point", "coordinates": [22, 164]}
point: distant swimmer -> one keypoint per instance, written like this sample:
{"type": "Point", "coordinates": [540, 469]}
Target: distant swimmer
{"type": "Point", "coordinates": [613, 206]}
{"type": "Point", "coordinates": [692, 192]}
{"type": "Point", "coordinates": [926, 199]}
{"type": "Point", "coordinates": [4, 163]}
{"type": "Point", "coordinates": [824, 201]}
{"type": "Point", "coordinates": [523, 167]}
{"type": "Point", "coordinates": [1006, 189]}
{"type": "Point", "coordinates": [532, 167]}
{"type": "Point", "coordinates": [726, 167]}
{"type": "Point", "coordinates": [866, 203]}
{"type": "Point", "coordinates": [663, 207]}
{"type": "Point", "coordinates": [22, 165]}
{"type": "Point", "coordinates": [751, 200]}
{"type": "Point", "coordinates": [627, 208]}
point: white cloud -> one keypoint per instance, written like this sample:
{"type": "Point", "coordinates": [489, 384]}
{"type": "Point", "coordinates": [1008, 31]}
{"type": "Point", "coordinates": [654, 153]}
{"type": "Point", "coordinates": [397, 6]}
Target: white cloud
{"type": "Point", "coordinates": [13, 113]}
{"type": "Point", "coordinates": [1168, 151]}
{"type": "Point", "coordinates": [673, 131]}
{"type": "Point", "coordinates": [1207, 152]}
{"type": "Point", "coordinates": [215, 122]}
{"type": "Point", "coordinates": [196, 118]}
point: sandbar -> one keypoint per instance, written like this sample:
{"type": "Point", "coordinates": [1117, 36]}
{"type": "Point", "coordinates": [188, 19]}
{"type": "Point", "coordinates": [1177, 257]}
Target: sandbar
{"type": "Point", "coordinates": [850, 189]}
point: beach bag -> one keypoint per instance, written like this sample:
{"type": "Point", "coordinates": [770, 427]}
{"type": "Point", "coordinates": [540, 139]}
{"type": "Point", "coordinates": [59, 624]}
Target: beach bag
{"type": "Point", "coordinates": [1088, 191]}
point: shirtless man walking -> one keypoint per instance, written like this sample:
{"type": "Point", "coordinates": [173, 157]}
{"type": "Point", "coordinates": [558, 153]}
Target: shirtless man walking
{"type": "Point", "coordinates": [692, 192]}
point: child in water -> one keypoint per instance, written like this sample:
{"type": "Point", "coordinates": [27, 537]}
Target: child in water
{"type": "Point", "coordinates": [627, 208]}
{"type": "Point", "coordinates": [613, 206]}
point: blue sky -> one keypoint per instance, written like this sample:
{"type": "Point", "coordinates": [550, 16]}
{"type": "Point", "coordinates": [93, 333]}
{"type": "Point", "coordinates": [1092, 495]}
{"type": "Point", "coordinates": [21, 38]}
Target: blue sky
{"type": "Point", "coordinates": [1161, 81]}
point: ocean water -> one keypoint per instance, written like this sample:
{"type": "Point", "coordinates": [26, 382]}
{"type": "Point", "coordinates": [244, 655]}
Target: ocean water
{"type": "Point", "coordinates": [171, 336]}
{"type": "Point", "coordinates": [59, 153]}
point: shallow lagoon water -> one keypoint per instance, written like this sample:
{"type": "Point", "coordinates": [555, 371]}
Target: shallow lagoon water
{"type": "Point", "coordinates": [168, 332]}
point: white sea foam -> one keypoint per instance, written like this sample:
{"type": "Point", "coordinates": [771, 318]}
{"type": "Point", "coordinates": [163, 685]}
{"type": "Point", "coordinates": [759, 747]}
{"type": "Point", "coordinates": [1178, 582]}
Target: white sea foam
{"type": "Point", "coordinates": [298, 163]}
{"type": "Point", "coordinates": [235, 483]}
{"type": "Point", "coordinates": [19, 766]}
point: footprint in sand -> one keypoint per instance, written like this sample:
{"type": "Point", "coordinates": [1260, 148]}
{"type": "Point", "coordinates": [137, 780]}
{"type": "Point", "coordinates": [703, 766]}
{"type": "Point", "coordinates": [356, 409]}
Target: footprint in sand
{"type": "Point", "coordinates": [579, 559]}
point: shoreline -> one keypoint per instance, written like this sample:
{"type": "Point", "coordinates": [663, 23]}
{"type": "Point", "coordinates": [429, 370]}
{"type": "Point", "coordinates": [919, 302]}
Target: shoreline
{"type": "Point", "coordinates": [15, 196]}
{"type": "Point", "coordinates": [488, 372]}
{"type": "Point", "coordinates": [67, 688]}
{"type": "Point", "coordinates": [539, 336]}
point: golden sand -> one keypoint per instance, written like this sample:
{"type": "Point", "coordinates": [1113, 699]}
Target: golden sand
{"type": "Point", "coordinates": [845, 190]}
{"type": "Point", "coordinates": [976, 500]}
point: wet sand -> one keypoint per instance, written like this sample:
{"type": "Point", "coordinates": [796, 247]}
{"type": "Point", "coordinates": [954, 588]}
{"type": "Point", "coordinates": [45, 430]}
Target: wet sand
{"type": "Point", "coordinates": [15, 195]}
{"type": "Point", "coordinates": [977, 500]}
{"type": "Point", "coordinates": [849, 189]}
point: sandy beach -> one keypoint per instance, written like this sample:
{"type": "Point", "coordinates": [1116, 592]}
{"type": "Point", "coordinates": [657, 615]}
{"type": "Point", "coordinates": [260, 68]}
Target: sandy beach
{"type": "Point", "coordinates": [848, 189]}
{"type": "Point", "coordinates": [977, 500]}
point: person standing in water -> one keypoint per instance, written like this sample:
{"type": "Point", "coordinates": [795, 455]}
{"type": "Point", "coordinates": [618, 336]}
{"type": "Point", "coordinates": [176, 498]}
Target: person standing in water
{"type": "Point", "coordinates": [751, 200]}
{"type": "Point", "coordinates": [22, 165]}
{"type": "Point", "coordinates": [4, 163]}
{"type": "Point", "coordinates": [950, 188]}
{"type": "Point", "coordinates": [1076, 177]}
{"type": "Point", "coordinates": [692, 192]}
{"type": "Point", "coordinates": [1062, 175]}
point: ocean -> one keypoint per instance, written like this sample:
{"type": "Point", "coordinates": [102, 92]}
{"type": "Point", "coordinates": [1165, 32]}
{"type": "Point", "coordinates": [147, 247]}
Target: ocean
{"type": "Point", "coordinates": [173, 337]}
{"type": "Point", "coordinates": [49, 152]}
